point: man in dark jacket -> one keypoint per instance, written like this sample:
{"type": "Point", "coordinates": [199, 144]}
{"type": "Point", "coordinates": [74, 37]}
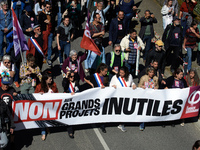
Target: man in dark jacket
{"type": "Point", "coordinates": [157, 53]}
{"type": "Point", "coordinates": [173, 40]}
{"type": "Point", "coordinates": [118, 29]}
{"type": "Point", "coordinates": [27, 21]}
{"type": "Point", "coordinates": [147, 30]}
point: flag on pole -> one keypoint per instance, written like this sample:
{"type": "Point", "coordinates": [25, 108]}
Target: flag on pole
{"type": "Point", "coordinates": [19, 40]}
{"type": "Point", "coordinates": [87, 42]}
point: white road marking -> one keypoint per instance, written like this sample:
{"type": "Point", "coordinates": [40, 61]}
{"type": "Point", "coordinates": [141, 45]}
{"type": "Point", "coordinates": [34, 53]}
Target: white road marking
{"type": "Point", "coordinates": [101, 139]}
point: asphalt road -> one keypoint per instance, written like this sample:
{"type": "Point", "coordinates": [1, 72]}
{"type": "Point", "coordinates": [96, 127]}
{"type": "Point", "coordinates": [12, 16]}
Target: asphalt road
{"type": "Point", "coordinates": [87, 137]}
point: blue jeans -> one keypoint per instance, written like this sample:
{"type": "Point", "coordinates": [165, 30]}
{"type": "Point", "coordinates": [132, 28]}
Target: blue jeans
{"type": "Point", "coordinates": [92, 60]}
{"type": "Point", "coordinates": [129, 16]}
{"type": "Point", "coordinates": [43, 131]}
{"type": "Point", "coordinates": [1, 42]}
{"type": "Point", "coordinates": [189, 54]}
{"type": "Point", "coordinates": [50, 40]}
{"type": "Point", "coordinates": [131, 67]}
{"type": "Point", "coordinates": [142, 125]}
{"type": "Point", "coordinates": [18, 11]}
{"type": "Point", "coordinates": [147, 39]}
{"type": "Point", "coordinates": [59, 17]}
{"type": "Point", "coordinates": [16, 77]}
{"type": "Point", "coordinates": [65, 47]}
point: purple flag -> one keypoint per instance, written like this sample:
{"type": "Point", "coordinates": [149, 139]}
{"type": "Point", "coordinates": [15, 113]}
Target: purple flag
{"type": "Point", "coordinates": [19, 40]}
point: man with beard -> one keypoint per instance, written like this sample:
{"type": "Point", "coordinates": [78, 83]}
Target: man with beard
{"type": "Point", "coordinates": [173, 40]}
{"type": "Point", "coordinates": [35, 44]}
{"type": "Point", "coordinates": [118, 29]}
{"type": "Point", "coordinates": [157, 53]}
{"type": "Point", "coordinates": [115, 60]}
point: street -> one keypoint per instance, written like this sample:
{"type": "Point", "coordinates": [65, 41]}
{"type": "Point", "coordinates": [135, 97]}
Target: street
{"type": "Point", "coordinates": [88, 137]}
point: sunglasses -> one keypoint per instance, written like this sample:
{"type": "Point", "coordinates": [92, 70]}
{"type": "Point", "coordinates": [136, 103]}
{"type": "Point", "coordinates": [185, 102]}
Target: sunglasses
{"type": "Point", "coordinates": [72, 77]}
{"type": "Point", "coordinates": [48, 7]}
{"type": "Point", "coordinates": [6, 62]}
{"type": "Point", "coordinates": [118, 50]}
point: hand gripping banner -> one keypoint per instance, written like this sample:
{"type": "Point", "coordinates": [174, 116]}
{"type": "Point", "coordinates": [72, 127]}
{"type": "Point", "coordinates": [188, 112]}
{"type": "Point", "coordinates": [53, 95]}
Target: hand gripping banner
{"type": "Point", "coordinates": [104, 106]}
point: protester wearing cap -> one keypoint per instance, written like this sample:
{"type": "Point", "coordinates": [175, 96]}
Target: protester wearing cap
{"type": "Point", "coordinates": [173, 40]}
{"type": "Point", "coordinates": [27, 21]}
{"type": "Point", "coordinates": [38, 37]}
{"type": "Point", "coordinates": [157, 53]}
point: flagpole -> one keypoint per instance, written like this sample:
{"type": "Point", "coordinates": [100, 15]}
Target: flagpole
{"type": "Point", "coordinates": [21, 52]}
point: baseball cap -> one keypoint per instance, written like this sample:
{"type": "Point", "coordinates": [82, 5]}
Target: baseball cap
{"type": "Point", "coordinates": [28, 8]}
{"type": "Point", "coordinates": [37, 25]}
{"type": "Point", "coordinates": [159, 43]}
{"type": "Point", "coordinates": [5, 80]}
{"type": "Point", "coordinates": [176, 18]}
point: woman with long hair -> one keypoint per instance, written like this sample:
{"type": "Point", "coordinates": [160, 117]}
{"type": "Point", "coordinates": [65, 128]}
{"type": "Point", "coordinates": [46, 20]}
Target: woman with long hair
{"type": "Point", "coordinates": [192, 78]}
{"type": "Point", "coordinates": [167, 11]}
{"type": "Point", "coordinates": [176, 81]}
{"type": "Point", "coordinates": [70, 85]}
{"type": "Point", "coordinates": [47, 85]}
{"type": "Point", "coordinates": [122, 79]}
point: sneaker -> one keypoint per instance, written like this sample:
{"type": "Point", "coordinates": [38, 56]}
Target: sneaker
{"type": "Point", "coordinates": [141, 128]}
{"type": "Point", "coordinates": [121, 127]}
{"type": "Point", "coordinates": [182, 124]}
{"type": "Point", "coordinates": [16, 84]}
{"type": "Point", "coordinates": [61, 64]}
{"type": "Point", "coordinates": [49, 63]}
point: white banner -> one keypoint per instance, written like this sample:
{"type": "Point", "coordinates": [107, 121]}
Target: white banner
{"type": "Point", "coordinates": [105, 105]}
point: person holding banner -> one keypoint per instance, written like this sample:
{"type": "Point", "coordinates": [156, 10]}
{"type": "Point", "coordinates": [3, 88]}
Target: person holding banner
{"type": "Point", "coordinates": [176, 81]}
{"type": "Point", "coordinates": [99, 79]}
{"type": "Point", "coordinates": [70, 85]}
{"type": "Point", "coordinates": [29, 72]}
{"type": "Point", "coordinates": [130, 44]}
{"type": "Point", "coordinates": [47, 85]}
{"type": "Point", "coordinates": [35, 44]}
{"type": "Point", "coordinates": [122, 79]}
{"type": "Point", "coordinates": [148, 81]}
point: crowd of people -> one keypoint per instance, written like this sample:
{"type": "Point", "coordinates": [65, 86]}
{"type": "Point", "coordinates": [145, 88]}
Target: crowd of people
{"type": "Point", "coordinates": [43, 20]}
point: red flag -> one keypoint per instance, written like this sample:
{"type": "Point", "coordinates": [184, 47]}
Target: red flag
{"type": "Point", "coordinates": [87, 42]}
